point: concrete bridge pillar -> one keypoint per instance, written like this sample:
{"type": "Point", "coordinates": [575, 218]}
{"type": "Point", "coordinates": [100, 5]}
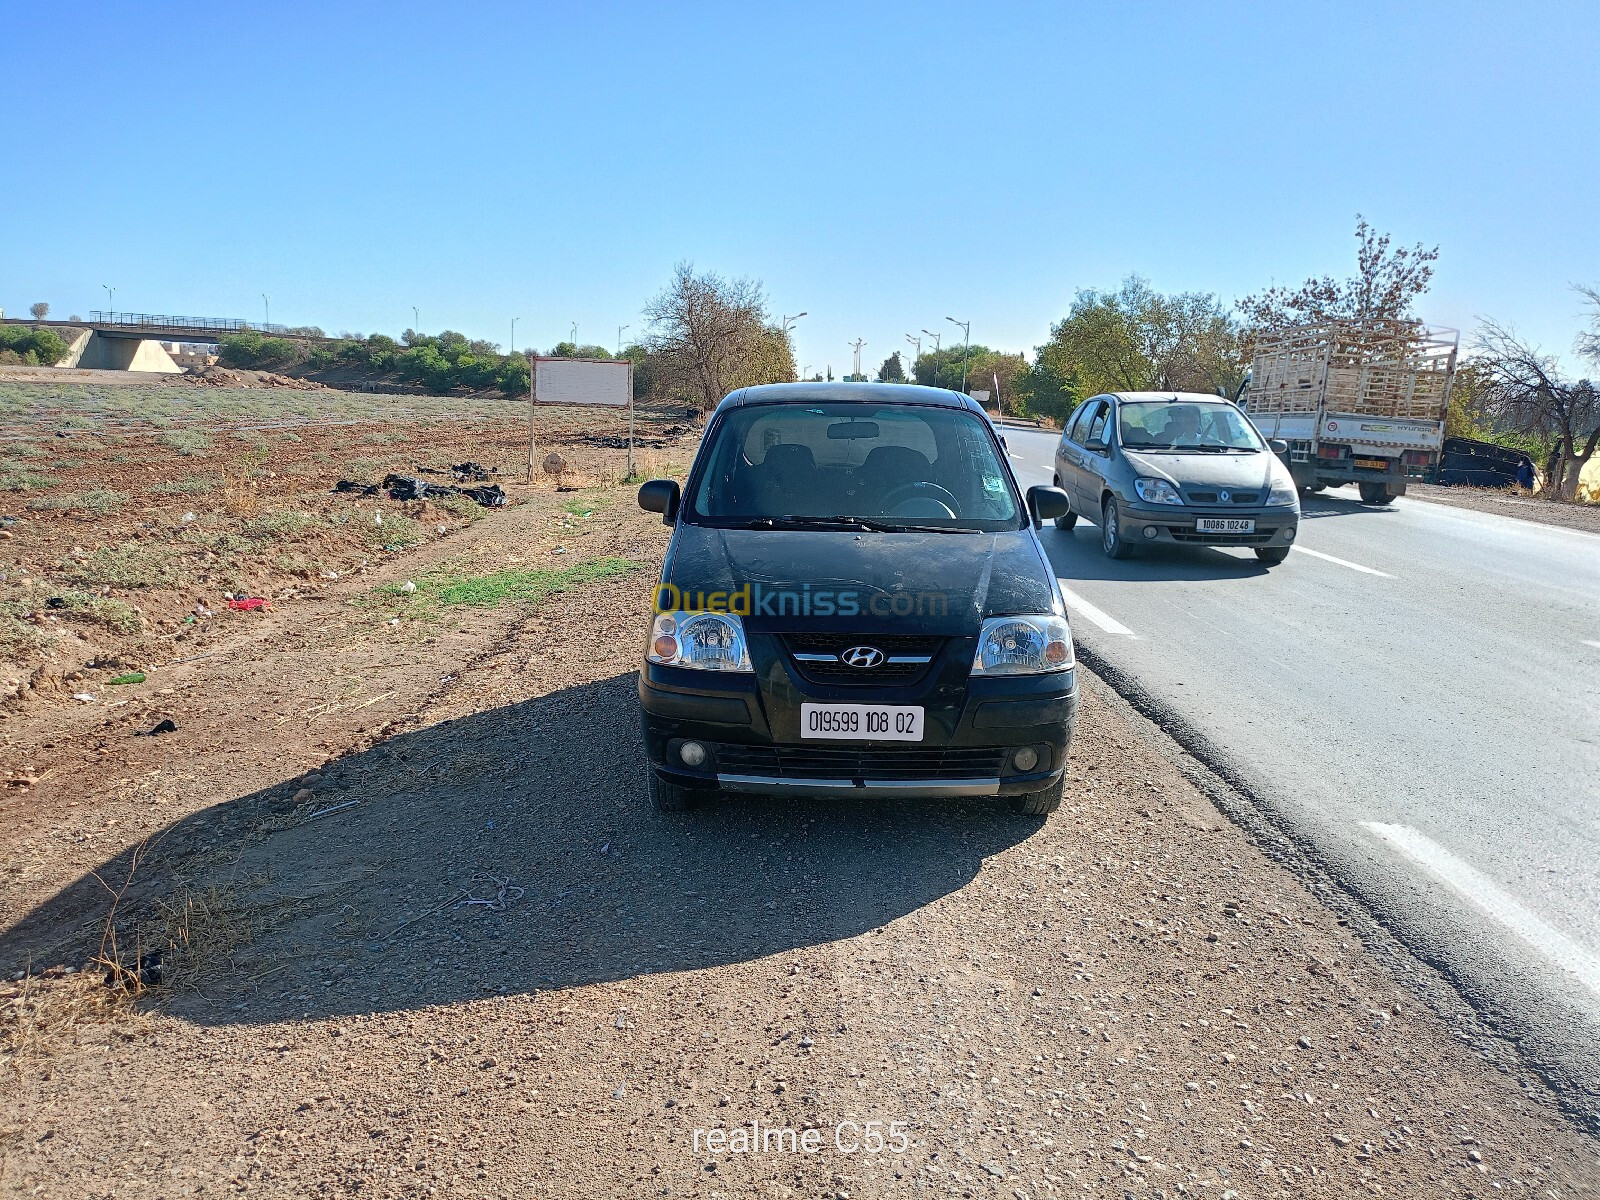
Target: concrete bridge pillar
{"type": "Point", "coordinates": [96, 351]}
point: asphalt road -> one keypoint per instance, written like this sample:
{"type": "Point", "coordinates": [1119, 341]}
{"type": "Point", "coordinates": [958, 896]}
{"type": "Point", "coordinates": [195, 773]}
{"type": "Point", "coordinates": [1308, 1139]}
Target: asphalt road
{"type": "Point", "coordinates": [1415, 696]}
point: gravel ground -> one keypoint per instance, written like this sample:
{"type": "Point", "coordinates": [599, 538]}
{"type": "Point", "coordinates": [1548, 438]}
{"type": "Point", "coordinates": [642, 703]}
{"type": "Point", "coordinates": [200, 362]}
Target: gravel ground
{"type": "Point", "coordinates": [1129, 999]}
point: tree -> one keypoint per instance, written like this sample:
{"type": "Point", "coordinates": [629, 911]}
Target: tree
{"type": "Point", "coordinates": [1526, 392]}
{"type": "Point", "coordinates": [1384, 287]}
{"type": "Point", "coordinates": [572, 350]}
{"type": "Point", "coordinates": [1046, 389]}
{"type": "Point", "coordinates": [1139, 339]}
{"type": "Point", "coordinates": [892, 371]}
{"type": "Point", "coordinates": [40, 310]}
{"type": "Point", "coordinates": [712, 335]}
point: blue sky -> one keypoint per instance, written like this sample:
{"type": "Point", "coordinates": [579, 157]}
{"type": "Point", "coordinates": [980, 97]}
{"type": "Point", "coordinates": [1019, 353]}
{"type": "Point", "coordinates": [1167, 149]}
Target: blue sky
{"type": "Point", "coordinates": [880, 166]}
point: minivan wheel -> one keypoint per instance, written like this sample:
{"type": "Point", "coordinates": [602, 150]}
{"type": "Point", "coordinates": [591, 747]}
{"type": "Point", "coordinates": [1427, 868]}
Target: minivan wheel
{"type": "Point", "coordinates": [1041, 803]}
{"type": "Point", "coordinates": [1071, 518]}
{"type": "Point", "coordinates": [1111, 539]}
{"type": "Point", "coordinates": [669, 797]}
{"type": "Point", "coordinates": [1272, 555]}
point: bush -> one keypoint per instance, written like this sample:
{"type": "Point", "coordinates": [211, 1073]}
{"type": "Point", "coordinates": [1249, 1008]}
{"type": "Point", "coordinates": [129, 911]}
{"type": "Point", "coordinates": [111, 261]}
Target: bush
{"type": "Point", "coordinates": [33, 347]}
{"type": "Point", "coordinates": [253, 351]}
{"type": "Point", "coordinates": [122, 567]}
{"type": "Point", "coordinates": [99, 501]}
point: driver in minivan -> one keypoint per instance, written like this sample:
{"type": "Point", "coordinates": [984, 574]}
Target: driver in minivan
{"type": "Point", "coordinates": [1183, 426]}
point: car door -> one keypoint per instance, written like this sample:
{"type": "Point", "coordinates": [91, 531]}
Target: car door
{"type": "Point", "coordinates": [1084, 464]}
{"type": "Point", "coordinates": [1097, 457]}
{"type": "Point", "coordinates": [1068, 453]}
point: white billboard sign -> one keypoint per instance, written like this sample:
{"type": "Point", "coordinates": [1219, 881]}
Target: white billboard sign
{"type": "Point", "coordinates": [583, 381]}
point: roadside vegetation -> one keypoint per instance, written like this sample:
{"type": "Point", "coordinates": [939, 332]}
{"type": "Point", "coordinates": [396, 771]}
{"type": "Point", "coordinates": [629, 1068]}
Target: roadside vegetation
{"type": "Point", "coordinates": [35, 347]}
{"type": "Point", "coordinates": [430, 595]}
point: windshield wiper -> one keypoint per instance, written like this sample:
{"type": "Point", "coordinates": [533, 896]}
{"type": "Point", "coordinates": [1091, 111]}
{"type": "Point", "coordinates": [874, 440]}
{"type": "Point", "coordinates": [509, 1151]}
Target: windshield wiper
{"type": "Point", "coordinates": [849, 522]}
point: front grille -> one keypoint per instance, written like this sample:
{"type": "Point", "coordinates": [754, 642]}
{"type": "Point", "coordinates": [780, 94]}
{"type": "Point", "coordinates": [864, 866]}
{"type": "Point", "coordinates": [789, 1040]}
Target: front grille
{"type": "Point", "coordinates": [1223, 539]}
{"type": "Point", "coordinates": [859, 762]}
{"type": "Point", "coordinates": [1212, 497]}
{"type": "Point", "coordinates": [888, 672]}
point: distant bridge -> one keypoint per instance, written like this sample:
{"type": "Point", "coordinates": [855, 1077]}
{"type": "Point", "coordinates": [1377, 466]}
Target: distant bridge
{"type": "Point", "coordinates": [119, 341]}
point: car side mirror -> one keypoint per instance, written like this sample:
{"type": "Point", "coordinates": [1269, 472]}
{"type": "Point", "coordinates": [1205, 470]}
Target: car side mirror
{"type": "Point", "coordinates": [1097, 445]}
{"type": "Point", "coordinates": [1047, 503]}
{"type": "Point", "coordinates": [1278, 446]}
{"type": "Point", "coordinates": [660, 496]}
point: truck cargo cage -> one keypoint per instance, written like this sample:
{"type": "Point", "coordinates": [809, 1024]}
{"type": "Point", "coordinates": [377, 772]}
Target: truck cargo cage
{"type": "Point", "coordinates": [1379, 368]}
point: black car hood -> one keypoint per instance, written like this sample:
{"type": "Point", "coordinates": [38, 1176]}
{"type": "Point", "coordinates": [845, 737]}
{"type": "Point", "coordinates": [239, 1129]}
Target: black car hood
{"type": "Point", "coordinates": [949, 581]}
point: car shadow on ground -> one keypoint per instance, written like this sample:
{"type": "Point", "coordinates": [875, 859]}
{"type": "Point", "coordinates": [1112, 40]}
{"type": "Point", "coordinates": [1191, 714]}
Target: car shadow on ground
{"type": "Point", "coordinates": [1076, 554]}
{"type": "Point", "coordinates": [1338, 504]}
{"type": "Point", "coordinates": [538, 808]}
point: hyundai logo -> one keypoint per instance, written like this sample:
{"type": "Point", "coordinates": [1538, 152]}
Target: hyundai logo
{"type": "Point", "coordinates": [862, 658]}
{"type": "Point", "coordinates": [1224, 496]}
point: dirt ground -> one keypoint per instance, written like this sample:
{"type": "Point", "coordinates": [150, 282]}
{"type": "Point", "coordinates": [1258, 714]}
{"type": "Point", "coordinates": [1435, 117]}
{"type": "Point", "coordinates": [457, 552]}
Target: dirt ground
{"type": "Point", "coordinates": [421, 934]}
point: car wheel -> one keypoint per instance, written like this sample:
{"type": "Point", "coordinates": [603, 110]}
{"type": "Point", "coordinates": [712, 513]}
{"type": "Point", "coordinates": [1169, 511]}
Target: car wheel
{"type": "Point", "coordinates": [1071, 518]}
{"type": "Point", "coordinates": [669, 797]}
{"type": "Point", "coordinates": [1041, 803]}
{"type": "Point", "coordinates": [1376, 493]}
{"type": "Point", "coordinates": [1111, 539]}
{"type": "Point", "coordinates": [1272, 555]}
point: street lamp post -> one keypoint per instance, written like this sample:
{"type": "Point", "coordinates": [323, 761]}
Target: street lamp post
{"type": "Point", "coordinates": [916, 342]}
{"type": "Point", "coordinates": [513, 349]}
{"type": "Point", "coordinates": [266, 308]}
{"type": "Point", "coordinates": [938, 363]}
{"type": "Point", "coordinates": [966, 341]}
{"type": "Point", "coordinates": [574, 338]}
{"type": "Point", "coordinates": [858, 343]}
{"type": "Point", "coordinates": [620, 328]}
{"type": "Point", "coordinates": [788, 321]}
{"type": "Point", "coordinates": [111, 299]}
{"type": "Point", "coordinates": [416, 319]}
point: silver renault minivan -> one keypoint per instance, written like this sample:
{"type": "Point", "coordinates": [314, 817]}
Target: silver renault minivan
{"type": "Point", "coordinates": [1178, 468]}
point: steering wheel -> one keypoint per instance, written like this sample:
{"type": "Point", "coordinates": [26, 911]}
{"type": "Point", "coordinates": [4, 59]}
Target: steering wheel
{"type": "Point", "coordinates": [929, 494]}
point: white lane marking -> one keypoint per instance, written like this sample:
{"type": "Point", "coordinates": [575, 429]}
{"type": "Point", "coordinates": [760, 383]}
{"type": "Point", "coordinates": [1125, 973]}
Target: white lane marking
{"type": "Point", "coordinates": [1343, 562]}
{"type": "Point", "coordinates": [1476, 887]}
{"type": "Point", "coordinates": [1591, 642]}
{"type": "Point", "coordinates": [1076, 604]}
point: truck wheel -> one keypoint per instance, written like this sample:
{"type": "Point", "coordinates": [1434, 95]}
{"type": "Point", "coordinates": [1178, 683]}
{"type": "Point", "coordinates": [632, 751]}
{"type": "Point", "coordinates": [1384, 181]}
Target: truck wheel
{"type": "Point", "coordinates": [1111, 539]}
{"type": "Point", "coordinates": [1041, 803]}
{"type": "Point", "coordinates": [669, 797]}
{"type": "Point", "coordinates": [1272, 555]}
{"type": "Point", "coordinates": [1071, 518]}
{"type": "Point", "coordinates": [1376, 493]}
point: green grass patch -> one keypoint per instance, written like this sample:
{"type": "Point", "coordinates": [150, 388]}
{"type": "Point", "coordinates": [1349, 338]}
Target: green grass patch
{"type": "Point", "coordinates": [116, 615]}
{"type": "Point", "coordinates": [585, 505]}
{"type": "Point", "coordinates": [284, 523]}
{"type": "Point", "coordinates": [464, 507]}
{"type": "Point", "coordinates": [97, 500]}
{"type": "Point", "coordinates": [188, 442]}
{"type": "Point", "coordinates": [441, 590]}
{"type": "Point", "coordinates": [27, 450]}
{"type": "Point", "coordinates": [21, 478]}
{"type": "Point", "coordinates": [397, 530]}
{"type": "Point", "coordinates": [189, 485]}
{"type": "Point", "coordinates": [123, 567]}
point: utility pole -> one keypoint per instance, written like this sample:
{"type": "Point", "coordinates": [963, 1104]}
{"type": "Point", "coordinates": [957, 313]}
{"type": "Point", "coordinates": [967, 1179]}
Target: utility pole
{"type": "Point", "coordinates": [513, 349]}
{"type": "Point", "coordinates": [966, 340]}
{"type": "Point", "coordinates": [858, 343]}
{"type": "Point", "coordinates": [938, 363]}
{"type": "Point", "coordinates": [917, 342]}
{"type": "Point", "coordinates": [620, 328]}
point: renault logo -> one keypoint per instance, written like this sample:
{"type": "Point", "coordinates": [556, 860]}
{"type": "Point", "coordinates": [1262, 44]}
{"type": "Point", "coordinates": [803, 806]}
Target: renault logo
{"type": "Point", "coordinates": [862, 658]}
{"type": "Point", "coordinates": [1224, 496]}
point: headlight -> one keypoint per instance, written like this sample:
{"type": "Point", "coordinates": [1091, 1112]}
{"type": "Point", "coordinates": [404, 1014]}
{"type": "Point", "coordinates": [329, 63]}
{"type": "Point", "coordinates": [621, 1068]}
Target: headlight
{"type": "Point", "coordinates": [700, 641]}
{"type": "Point", "coordinates": [1023, 646]}
{"type": "Point", "coordinates": [1283, 492]}
{"type": "Point", "coordinates": [1157, 491]}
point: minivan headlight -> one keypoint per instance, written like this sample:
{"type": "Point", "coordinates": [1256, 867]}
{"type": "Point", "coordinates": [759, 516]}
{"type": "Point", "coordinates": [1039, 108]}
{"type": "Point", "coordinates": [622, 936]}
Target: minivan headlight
{"type": "Point", "coordinates": [700, 641]}
{"type": "Point", "coordinates": [1283, 492]}
{"type": "Point", "coordinates": [1157, 491]}
{"type": "Point", "coordinates": [1030, 645]}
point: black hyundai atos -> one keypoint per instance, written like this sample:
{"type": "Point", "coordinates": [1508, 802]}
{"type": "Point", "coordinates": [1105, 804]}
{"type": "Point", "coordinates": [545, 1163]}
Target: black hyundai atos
{"type": "Point", "coordinates": [854, 602]}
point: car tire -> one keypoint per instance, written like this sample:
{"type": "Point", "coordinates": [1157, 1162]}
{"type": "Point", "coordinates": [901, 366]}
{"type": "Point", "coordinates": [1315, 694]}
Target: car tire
{"type": "Point", "coordinates": [1041, 803]}
{"type": "Point", "coordinates": [1071, 518]}
{"type": "Point", "coordinates": [669, 797]}
{"type": "Point", "coordinates": [1111, 539]}
{"type": "Point", "coordinates": [1272, 555]}
{"type": "Point", "coordinates": [1376, 493]}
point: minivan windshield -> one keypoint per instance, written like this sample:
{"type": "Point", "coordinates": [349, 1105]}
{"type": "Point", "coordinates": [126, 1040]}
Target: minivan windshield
{"type": "Point", "coordinates": [1179, 425]}
{"type": "Point", "coordinates": [820, 465]}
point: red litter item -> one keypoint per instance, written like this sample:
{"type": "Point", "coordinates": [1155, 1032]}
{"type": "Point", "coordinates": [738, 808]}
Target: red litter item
{"type": "Point", "coordinates": [247, 604]}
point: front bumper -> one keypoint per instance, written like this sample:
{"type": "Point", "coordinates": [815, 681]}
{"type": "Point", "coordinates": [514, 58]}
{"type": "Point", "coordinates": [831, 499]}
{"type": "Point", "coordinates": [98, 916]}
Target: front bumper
{"type": "Point", "coordinates": [749, 724]}
{"type": "Point", "coordinates": [1178, 524]}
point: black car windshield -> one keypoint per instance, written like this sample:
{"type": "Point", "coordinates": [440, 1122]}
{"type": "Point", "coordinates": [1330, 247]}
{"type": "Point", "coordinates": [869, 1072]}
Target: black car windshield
{"type": "Point", "coordinates": [1180, 425]}
{"type": "Point", "coordinates": [819, 465]}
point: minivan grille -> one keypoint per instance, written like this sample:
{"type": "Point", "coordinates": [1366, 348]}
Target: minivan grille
{"type": "Point", "coordinates": [1195, 496]}
{"type": "Point", "coordinates": [921, 648]}
{"type": "Point", "coordinates": [859, 762]}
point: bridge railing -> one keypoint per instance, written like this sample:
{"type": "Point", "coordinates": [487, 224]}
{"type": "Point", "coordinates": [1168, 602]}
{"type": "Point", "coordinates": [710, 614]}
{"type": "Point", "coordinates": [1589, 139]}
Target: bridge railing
{"type": "Point", "coordinates": [178, 324]}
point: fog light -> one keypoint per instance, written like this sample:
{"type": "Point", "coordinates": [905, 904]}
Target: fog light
{"type": "Point", "coordinates": [692, 753]}
{"type": "Point", "coordinates": [1025, 759]}
{"type": "Point", "coordinates": [1288, 535]}
{"type": "Point", "coordinates": [1150, 532]}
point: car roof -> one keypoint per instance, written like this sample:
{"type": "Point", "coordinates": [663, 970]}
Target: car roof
{"type": "Point", "coordinates": [1169, 397]}
{"type": "Point", "coordinates": [877, 394]}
